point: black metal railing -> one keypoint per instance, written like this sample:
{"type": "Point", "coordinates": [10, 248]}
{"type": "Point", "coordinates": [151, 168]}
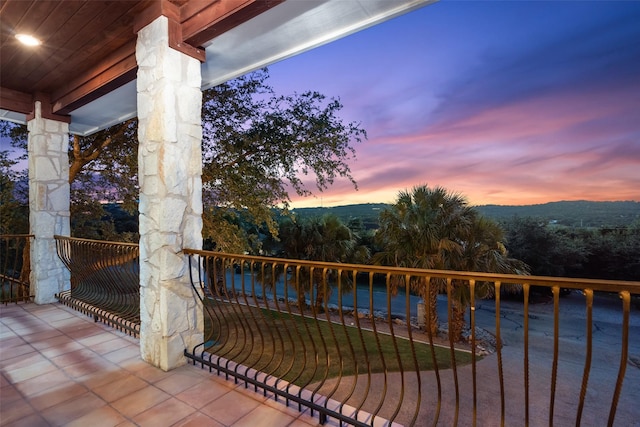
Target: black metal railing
{"type": "Point", "coordinates": [15, 268]}
{"type": "Point", "coordinates": [105, 280]}
{"type": "Point", "coordinates": [349, 343]}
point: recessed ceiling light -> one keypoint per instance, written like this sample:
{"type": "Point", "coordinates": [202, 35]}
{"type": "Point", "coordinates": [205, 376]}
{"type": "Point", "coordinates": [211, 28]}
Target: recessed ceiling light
{"type": "Point", "coordinates": [28, 40]}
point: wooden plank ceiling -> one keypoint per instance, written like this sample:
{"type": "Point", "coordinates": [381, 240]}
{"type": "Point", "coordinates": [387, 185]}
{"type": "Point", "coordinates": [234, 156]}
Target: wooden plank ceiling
{"type": "Point", "coordinates": [88, 47]}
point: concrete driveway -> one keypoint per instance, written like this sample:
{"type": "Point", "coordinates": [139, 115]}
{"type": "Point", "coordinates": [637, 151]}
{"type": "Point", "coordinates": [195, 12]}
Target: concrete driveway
{"type": "Point", "coordinates": [605, 363]}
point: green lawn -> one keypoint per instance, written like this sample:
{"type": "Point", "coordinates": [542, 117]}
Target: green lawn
{"type": "Point", "coordinates": [303, 351]}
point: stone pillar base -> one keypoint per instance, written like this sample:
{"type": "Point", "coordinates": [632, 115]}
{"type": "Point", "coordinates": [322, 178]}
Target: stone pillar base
{"type": "Point", "coordinates": [49, 189]}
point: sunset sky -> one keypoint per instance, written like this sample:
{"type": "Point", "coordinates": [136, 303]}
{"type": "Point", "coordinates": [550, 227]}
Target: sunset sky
{"type": "Point", "coordinates": [505, 102]}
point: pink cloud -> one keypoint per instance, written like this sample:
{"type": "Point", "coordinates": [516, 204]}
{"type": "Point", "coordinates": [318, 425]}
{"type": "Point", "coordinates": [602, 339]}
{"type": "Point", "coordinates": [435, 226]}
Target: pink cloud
{"type": "Point", "coordinates": [552, 147]}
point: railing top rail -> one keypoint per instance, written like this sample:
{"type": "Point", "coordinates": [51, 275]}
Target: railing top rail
{"type": "Point", "coordinates": [563, 282]}
{"type": "Point", "coordinates": [103, 242]}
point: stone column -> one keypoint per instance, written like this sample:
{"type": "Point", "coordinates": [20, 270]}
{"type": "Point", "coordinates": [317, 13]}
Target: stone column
{"type": "Point", "coordinates": [48, 146]}
{"type": "Point", "coordinates": [170, 176]}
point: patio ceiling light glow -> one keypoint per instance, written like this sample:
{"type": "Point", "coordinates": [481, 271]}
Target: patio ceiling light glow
{"type": "Point", "coordinates": [28, 39]}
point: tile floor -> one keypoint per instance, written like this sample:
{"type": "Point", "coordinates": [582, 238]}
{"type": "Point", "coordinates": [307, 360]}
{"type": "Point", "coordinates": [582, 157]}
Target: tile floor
{"type": "Point", "coordinates": [60, 368]}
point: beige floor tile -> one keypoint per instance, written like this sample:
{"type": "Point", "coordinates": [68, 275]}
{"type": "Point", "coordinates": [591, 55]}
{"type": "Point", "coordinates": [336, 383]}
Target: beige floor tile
{"type": "Point", "coordinates": [16, 351]}
{"type": "Point", "coordinates": [124, 353]}
{"type": "Point", "coordinates": [202, 393]}
{"type": "Point", "coordinates": [72, 357]}
{"type": "Point", "coordinates": [16, 410]}
{"type": "Point", "coordinates": [140, 401]}
{"type": "Point", "coordinates": [150, 373]}
{"type": "Point", "coordinates": [22, 361]}
{"type": "Point", "coordinates": [181, 379]}
{"type": "Point", "coordinates": [108, 374]}
{"type": "Point", "coordinates": [25, 325]}
{"type": "Point", "coordinates": [27, 329]}
{"type": "Point", "coordinates": [40, 383]}
{"type": "Point", "coordinates": [9, 342]}
{"type": "Point", "coordinates": [166, 413]}
{"type": "Point", "coordinates": [197, 419]}
{"type": "Point", "coordinates": [56, 395]}
{"type": "Point", "coordinates": [99, 337]}
{"type": "Point", "coordinates": [120, 388]}
{"type": "Point", "coordinates": [3, 381]}
{"type": "Point", "coordinates": [104, 416]}
{"type": "Point", "coordinates": [60, 349]}
{"type": "Point", "coordinates": [304, 422]}
{"type": "Point", "coordinates": [91, 367]}
{"type": "Point", "coordinates": [51, 342]}
{"type": "Point", "coordinates": [55, 313]}
{"type": "Point", "coordinates": [81, 330]}
{"type": "Point", "coordinates": [31, 371]}
{"type": "Point", "coordinates": [109, 345]}
{"type": "Point", "coordinates": [6, 333]}
{"type": "Point", "coordinates": [65, 321]}
{"type": "Point", "coordinates": [70, 410]}
{"type": "Point", "coordinates": [230, 407]}
{"type": "Point", "coordinates": [42, 335]}
{"type": "Point", "coordinates": [81, 333]}
{"type": "Point", "coordinates": [266, 416]}
{"type": "Point", "coordinates": [134, 364]}
{"type": "Point", "coordinates": [124, 364]}
{"type": "Point", "coordinates": [9, 394]}
{"type": "Point", "coordinates": [33, 420]}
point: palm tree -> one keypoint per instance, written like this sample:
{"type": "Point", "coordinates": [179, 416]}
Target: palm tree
{"type": "Point", "coordinates": [483, 251]}
{"type": "Point", "coordinates": [433, 229]}
{"type": "Point", "coordinates": [425, 228]}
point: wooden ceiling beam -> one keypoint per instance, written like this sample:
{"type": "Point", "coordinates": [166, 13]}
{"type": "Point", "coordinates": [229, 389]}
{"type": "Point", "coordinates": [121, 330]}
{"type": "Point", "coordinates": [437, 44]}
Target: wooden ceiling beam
{"type": "Point", "coordinates": [24, 103]}
{"type": "Point", "coordinates": [46, 110]}
{"type": "Point", "coordinates": [176, 39]}
{"type": "Point", "coordinates": [16, 101]}
{"type": "Point", "coordinates": [202, 22]}
{"type": "Point", "coordinates": [117, 69]}
{"type": "Point", "coordinates": [155, 10]}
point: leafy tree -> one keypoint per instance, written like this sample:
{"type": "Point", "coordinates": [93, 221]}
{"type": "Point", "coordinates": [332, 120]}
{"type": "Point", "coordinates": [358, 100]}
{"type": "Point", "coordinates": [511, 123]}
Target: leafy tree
{"type": "Point", "coordinates": [14, 212]}
{"type": "Point", "coordinates": [257, 147]}
{"type": "Point", "coordinates": [612, 255]}
{"type": "Point", "coordinates": [547, 251]}
{"type": "Point", "coordinates": [102, 166]}
{"type": "Point", "coordinates": [605, 253]}
{"type": "Point", "coordinates": [432, 228]}
{"type": "Point", "coordinates": [483, 251]}
{"type": "Point", "coordinates": [424, 229]}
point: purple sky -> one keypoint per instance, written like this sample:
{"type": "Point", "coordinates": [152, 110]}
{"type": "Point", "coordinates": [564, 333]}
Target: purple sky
{"type": "Point", "coordinates": [504, 102]}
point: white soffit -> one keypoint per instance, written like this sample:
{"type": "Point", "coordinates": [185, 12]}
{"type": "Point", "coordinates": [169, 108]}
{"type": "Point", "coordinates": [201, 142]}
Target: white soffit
{"type": "Point", "coordinates": [288, 29]}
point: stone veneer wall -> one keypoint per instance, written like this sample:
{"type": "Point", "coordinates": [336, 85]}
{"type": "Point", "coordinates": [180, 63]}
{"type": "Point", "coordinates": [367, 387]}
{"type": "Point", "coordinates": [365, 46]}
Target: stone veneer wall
{"type": "Point", "coordinates": [48, 147]}
{"type": "Point", "coordinates": [170, 176]}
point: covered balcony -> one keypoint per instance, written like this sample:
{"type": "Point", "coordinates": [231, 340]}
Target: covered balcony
{"type": "Point", "coordinates": [163, 333]}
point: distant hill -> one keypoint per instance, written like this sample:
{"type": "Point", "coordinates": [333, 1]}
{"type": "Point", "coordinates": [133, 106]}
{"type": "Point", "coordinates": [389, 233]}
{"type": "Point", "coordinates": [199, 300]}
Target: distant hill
{"type": "Point", "coordinates": [572, 214]}
{"type": "Point", "coordinates": [367, 213]}
{"type": "Point", "coordinates": [580, 213]}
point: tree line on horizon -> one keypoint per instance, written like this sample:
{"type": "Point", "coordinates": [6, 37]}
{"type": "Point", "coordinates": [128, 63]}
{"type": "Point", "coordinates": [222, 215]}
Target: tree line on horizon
{"type": "Point", "coordinates": [607, 216]}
